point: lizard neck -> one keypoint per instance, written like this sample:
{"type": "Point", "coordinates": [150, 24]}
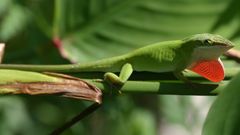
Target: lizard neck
{"type": "Point", "coordinates": [206, 53]}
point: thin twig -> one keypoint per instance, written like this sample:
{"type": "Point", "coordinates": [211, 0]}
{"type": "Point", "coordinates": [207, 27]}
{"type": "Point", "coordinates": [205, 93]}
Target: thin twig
{"type": "Point", "coordinates": [75, 119]}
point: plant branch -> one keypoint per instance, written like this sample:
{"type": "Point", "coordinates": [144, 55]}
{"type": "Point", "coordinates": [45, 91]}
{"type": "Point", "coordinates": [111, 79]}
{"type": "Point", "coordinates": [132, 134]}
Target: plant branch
{"type": "Point", "coordinates": [164, 87]}
{"type": "Point", "coordinates": [145, 82]}
{"type": "Point", "coordinates": [164, 83]}
{"type": "Point", "coordinates": [76, 119]}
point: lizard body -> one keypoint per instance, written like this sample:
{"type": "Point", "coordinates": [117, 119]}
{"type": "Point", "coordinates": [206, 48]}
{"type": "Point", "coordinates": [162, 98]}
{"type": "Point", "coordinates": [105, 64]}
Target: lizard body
{"type": "Point", "coordinates": [199, 53]}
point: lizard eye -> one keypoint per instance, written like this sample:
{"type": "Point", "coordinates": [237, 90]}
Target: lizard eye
{"type": "Point", "coordinates": [207, 42]}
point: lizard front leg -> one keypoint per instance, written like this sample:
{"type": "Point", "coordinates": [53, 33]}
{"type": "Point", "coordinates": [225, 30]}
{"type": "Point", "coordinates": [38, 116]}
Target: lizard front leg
{"type": "Point", "coordinates": [179, 75]}
{"type": "Point", "coordinates": [115, 80]}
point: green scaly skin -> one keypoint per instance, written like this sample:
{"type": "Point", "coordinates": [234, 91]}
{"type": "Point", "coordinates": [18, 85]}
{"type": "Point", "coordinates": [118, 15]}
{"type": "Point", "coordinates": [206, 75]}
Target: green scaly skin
{"type": "Point", "coordinates": [169, 56]}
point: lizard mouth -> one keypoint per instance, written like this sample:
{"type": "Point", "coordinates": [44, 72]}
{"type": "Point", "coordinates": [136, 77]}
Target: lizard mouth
{"type": "Point", "coordinates": [224, 45]}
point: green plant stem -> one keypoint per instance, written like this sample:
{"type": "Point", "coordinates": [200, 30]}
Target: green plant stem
{"type": "Point", "coordinates": [154, 83]}
{"type": "Point", "coordinates": [58, 18]}
{"type": "Point", "coordinates": [164, 87]}
{"type": "Point", "coordinates": [148, 83]}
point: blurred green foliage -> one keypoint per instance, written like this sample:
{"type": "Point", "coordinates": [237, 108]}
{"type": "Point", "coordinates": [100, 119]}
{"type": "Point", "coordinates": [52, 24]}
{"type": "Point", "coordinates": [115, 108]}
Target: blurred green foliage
{"type": "Point", "coordinates": [224, 115]}
{"type": "Point", "coordinates": [94, 29]}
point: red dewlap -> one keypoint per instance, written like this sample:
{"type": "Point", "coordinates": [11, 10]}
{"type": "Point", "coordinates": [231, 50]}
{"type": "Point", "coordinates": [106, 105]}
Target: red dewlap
{"type": "Point", "coordinates": [212, 70]}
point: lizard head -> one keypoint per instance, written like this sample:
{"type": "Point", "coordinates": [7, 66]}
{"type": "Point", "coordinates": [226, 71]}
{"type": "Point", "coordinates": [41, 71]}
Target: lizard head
{"type": "Point", "coordinates": [209, 46]}
{"type": "Point", "coordinates": [205, 60]}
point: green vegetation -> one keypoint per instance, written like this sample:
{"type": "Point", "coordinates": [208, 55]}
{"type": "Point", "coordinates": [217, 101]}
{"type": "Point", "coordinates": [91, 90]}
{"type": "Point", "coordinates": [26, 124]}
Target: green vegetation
{"type": "Point", "coordinates": [61, 32]}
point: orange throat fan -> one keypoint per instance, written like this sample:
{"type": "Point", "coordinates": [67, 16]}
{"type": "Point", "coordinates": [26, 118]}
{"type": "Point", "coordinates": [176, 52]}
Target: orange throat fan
{"type": "Point", "coordinates": [212, 70]}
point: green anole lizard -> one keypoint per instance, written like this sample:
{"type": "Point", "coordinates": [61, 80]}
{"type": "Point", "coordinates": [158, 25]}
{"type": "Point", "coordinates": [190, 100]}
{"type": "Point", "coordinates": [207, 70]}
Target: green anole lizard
{"type": "Point", "coordinates": [199, 53]}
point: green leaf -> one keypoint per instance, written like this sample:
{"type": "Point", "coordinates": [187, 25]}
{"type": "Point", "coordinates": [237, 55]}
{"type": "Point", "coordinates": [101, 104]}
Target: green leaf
{"type": "Point", "coordinates": [13, 22]}
{"type": "Point", "coordinates": [224, 115]}
{"type": "Point", "coordinates": [93, 30]}
{"type": "Point", "coordinates": [4, 5]}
